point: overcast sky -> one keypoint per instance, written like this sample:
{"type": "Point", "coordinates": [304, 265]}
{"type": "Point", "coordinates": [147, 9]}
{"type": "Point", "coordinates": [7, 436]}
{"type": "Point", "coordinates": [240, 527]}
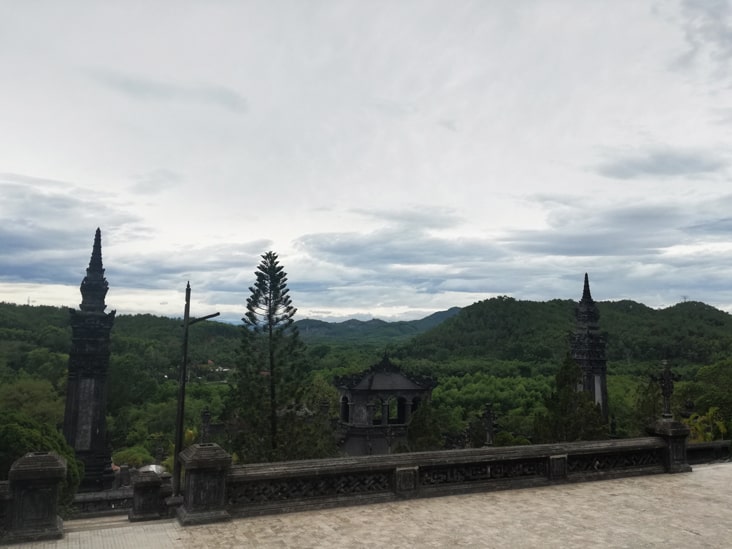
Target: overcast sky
{"type": "Point", "coordinates": [401, 157]}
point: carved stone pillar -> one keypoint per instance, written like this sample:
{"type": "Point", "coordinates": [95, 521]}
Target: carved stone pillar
{"type": "Point", "coordinates": [34, 485]}
{"type": "Point", "coordinates": [204, 498]}
{"type": "Point", "coordinates": [146, 497]}
{"type": "Point", "coordinates": [675, 434]}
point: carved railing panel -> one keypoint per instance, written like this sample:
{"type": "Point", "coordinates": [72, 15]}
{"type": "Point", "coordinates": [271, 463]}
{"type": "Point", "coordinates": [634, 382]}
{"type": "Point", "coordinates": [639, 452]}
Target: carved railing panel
{"type": "Point", "coordinates": [473, 472]}
{"type": "Point", "coordinates": [253, 492]}
{"type": "Point", "coordinates": [614, 461]}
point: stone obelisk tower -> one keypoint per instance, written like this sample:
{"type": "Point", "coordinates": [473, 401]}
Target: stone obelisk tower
{"type": "Point", "coordinates": [86, 393]}
{"type": "Point", "coordinates": [588, 349]}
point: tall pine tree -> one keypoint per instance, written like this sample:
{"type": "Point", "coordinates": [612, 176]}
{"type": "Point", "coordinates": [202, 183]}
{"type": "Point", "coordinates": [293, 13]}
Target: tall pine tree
{"type": "Point", "coordinates": [267, 394]}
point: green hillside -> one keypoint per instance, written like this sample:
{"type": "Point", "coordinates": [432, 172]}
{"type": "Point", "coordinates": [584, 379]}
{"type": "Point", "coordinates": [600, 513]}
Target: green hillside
{"type": "Point", "coordinates": [500, 350]}
{"type": "Point", "coordinates": [506, 329]}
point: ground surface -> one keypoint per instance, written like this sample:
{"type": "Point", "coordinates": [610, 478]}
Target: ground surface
{"type": "Point", "coordinates": [690, 510]}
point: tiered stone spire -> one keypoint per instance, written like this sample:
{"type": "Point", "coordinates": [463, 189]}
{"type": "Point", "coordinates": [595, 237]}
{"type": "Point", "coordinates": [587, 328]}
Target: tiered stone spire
{"type": "Point", "coordinates": [588, 348]}
{"type": "Point", "coordinates": [86, 390]}
{"type": "Point", "coordinates": [94, 287]}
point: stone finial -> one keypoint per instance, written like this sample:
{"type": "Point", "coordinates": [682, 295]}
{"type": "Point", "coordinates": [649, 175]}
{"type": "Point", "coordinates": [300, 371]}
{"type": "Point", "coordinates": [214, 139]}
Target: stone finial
{"type": "Point", "coordinates": [94, 287]}
{"type": "Point", "coordinates": [587, 313]}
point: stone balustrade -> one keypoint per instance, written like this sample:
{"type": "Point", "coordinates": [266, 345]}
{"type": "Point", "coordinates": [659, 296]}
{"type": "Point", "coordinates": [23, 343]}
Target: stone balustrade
{"type": "Point", "coordinates": [290, 486]}
{"type": "Point", "coordinates": [215, 490]}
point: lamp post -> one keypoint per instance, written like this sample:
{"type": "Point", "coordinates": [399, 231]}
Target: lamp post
{"type": "Point", "coordinates": [187, 321]}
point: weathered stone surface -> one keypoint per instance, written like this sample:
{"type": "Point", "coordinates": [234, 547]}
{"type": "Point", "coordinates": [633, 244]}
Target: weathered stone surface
{"type": "Point", "coordinates": [557, 467]}
{"type": "Point", "coordinates": [107, 502]}
{"type": "Point", "coordinates": [146, 499]}
{"type": "Point", "coordinates": [255, 489]}
{"type": "Point", "coordinates": [205, 455]}
{"type": "Point", "coordinates": [34, 482]}
{"type": "Point", "coordinates": [675, 434]}
{"type": "Point", "coordinates": [204, 498]}
{"type": "Point", "coordinates": [406, 480]}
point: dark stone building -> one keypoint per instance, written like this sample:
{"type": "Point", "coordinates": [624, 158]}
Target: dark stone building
{"type": "Point", "coordinates": [376, 408]}
{"type": "Point", "coordinates": [588, 349]}
{"type": "Point", "coordinates": [86, 392]}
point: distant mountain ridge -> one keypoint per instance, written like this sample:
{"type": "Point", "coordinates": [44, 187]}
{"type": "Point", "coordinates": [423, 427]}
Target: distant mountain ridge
{"type": "Point", "coordinates": [25, 322]}
{"type": "Point", "coordinates": [370, 331]}
{"type": "Point", "coordinates": [500, 328]}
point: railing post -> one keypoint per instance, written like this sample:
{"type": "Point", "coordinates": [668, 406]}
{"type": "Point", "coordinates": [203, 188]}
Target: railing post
{"type": "Point", "coordinates": [675, 434]}
{"type": "Point", "coordinates": [406, 481]}
{"type": "Point", "coordinates": [146, 497]}
{"type": "Point", "coordinates": [558, 467]}
{"type": "Point", "coordinates": [204, 498]}
{"type": "Point", "coordinates": [34, 486]}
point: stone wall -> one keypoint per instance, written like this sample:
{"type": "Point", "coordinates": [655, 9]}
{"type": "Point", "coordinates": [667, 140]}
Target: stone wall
{"type": "Point", "coordinates": [707, 452]}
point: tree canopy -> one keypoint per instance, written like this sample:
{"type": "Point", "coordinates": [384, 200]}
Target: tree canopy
{"type": "Point", "coordinates": [570, 414]}
{"type": "Point", "coordinates": [265, 407]}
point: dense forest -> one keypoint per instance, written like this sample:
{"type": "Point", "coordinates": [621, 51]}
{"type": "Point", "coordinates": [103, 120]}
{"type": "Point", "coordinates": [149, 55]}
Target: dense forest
{"type": "Point", "coordinates": [501, 350]}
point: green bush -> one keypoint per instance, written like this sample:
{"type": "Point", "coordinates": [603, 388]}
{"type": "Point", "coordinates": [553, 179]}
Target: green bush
{"type": "Point", "coordinates": [136, 456]}
{"type": "Point", "coordinates": [19, 435]}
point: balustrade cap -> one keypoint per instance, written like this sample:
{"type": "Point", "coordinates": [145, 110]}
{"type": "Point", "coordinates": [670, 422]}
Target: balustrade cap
{"type": "Point", "coordinates": [146, 478]}
{"type": "Point", "coordinates": [38, 465]}
{"type": "Point", "coordinates": [332, 466]}
{"type": "Point", "coordinates": [670, 427]}
{"type": "Point", "coordinates": [205, 456]}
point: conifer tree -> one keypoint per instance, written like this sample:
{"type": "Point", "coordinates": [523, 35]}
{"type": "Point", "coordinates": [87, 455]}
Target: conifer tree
{"type": "Point", "coordinates": [571, 414]}
{"type": "Point", "coordinates": [271, 372]}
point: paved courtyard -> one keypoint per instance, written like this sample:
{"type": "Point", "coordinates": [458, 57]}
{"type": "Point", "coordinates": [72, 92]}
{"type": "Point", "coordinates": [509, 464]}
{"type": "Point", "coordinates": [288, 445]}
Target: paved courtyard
{"type": "Point", "coordinates": [691, 510]}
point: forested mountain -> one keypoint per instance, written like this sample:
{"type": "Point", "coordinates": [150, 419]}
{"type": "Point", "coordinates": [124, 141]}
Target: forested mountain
{"type": "Point", "coordinates": [369, 331]}
{"type": "Point", "coordinates": [500, 350]}
{"type": "Point", "coordinates": [507, 329]}
{"type": "Point", "coordinates": [500, 328]}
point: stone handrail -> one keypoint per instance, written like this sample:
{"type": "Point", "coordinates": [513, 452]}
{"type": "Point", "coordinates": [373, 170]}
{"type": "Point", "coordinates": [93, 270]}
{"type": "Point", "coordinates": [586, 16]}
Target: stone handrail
{"type": "Point", "coordinates": [289, 486]}
{"type": "Point", "coordinates": [215, 490]}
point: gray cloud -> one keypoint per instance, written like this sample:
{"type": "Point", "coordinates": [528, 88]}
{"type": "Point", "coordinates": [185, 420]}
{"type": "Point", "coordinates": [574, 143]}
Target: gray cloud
{"type": "Point", "coordinates": [397, 246]}
{"type": "Point", "coordinates": [656, 162]}
{"type": "Point", "coordinates": [424, 218]}
{"type": "Point", "coordinates": [222, 267]}
{"type": "Point", "coordinates": [579, 229]}
{"type": "Point", "coordinates": [626, 248]}
{"type": "Point", "coordinates": [43, 238]}
{"type": "Point", "coordinates": [154, 90]}
{"type": "Point", "coordinates": [721, 226]}
{"type": "Point", "coordinates": [707, 29]}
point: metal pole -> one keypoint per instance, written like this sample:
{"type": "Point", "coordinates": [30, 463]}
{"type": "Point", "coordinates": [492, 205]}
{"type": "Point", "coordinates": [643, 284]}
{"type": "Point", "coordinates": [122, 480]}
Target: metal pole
{"type": "Point", "coordinates": [180, 415]}
{"type": "Point", "coordinates": [181, 396]}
